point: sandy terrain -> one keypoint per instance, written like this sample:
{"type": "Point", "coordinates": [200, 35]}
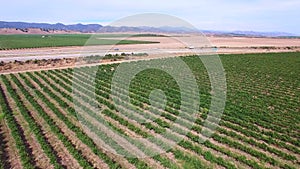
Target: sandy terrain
{"type": "Point", "coordinates": [246, 41]}
{"type": "Point", "coordinates": [234, 44]}
{"type": "Point", "coordinates": [168, 46]}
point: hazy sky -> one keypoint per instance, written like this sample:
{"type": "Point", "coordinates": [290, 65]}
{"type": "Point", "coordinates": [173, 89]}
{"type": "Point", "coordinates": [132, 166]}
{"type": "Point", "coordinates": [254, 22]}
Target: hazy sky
{"type": "Point", "coordinates": [229, 15]}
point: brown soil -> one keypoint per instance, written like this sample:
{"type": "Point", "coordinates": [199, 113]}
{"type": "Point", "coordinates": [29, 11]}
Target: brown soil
{"type": "Point", "coordinates": [58, 146]}
{"type": "Point", "coordinates": [120, 160]}
{"type": "Point", "coordinates": [32, 147]}
{"type": "Point", "coordinates": [168, 47]}
{"type": "Point", "coordinates": [11, 149]}
{"type": "Point", "coordinates": [86, 151]}
{"type": "Point", "coordinates": [41, 159]}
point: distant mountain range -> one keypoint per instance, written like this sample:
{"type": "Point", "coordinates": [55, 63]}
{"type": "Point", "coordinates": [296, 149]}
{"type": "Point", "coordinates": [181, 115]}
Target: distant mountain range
{"type": "Point", "coordinates": [47, 26]}
{"type": "Point", "coordinates": [92, 28]}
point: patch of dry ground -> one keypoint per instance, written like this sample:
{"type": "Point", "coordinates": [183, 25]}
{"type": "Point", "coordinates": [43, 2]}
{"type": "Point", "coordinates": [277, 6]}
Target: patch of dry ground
{"type": "Point", "coordinates": [61, 57]}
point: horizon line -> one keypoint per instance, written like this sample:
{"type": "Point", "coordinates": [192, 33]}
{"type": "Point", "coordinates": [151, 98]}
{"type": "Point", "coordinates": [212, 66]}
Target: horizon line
{"type": "Point", "coordinates": [104, 25]}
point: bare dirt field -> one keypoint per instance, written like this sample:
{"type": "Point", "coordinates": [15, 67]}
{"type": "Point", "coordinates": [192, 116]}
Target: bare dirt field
{"type": "Point", "coordinates": [175, 45]}
{"type": "Point", "coordinates": [247, 41]}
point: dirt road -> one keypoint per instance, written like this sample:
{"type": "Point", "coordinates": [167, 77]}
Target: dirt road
{"type": "Point", "coordinates": [168, 47]}
{"type": "Point", "coordinates": [175, 44]}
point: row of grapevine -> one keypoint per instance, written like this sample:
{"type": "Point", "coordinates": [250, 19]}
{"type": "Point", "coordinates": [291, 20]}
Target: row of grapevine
{"type": "Point", "coordinates": [259, 127]}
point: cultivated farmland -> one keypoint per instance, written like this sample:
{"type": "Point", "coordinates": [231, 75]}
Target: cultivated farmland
{"type": "Point", "coordinates": [39, 41]}
{"type": "Point", "coordinates": [260, 126]}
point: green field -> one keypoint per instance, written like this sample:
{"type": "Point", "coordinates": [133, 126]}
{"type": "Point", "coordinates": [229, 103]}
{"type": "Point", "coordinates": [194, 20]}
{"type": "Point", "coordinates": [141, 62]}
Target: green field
{"type": "Point", "coordinates": [259, 128]}
{"type": "Point", "coordinates": [37, 41]}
